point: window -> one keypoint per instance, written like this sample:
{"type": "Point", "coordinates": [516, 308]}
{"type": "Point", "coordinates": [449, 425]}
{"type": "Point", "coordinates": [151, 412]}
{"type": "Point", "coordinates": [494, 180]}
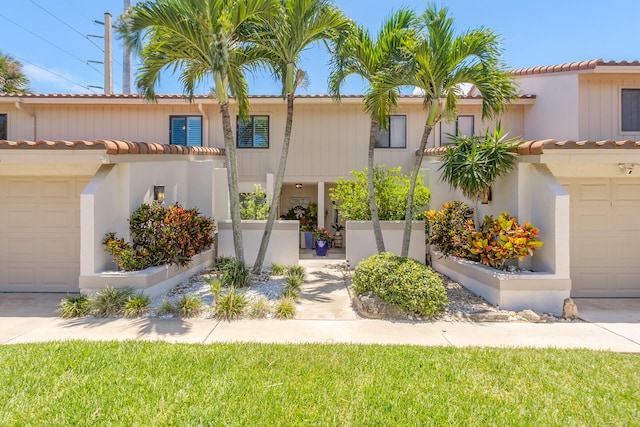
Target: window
{"type": "Point", "coordinates": [186, 130]}
{"type": "Point", "coordinates": [463, 125]}
{"type": "Point", "coordinates": [253, 132]}
{"type": "Point", "coordinates": [3, 126]}
{"type": "Point", "coordinates": [630, 110]}
{"type": "Point", "coordinates": [395, 136]}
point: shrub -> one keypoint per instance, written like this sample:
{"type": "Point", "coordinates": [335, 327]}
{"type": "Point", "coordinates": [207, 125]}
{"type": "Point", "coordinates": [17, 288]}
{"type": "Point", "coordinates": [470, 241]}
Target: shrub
{"type": "Point", "coordinates": [231, 305]}
{"type": "Point", "coordinates": [160, 236]}
{"type": "Point", "coordinates": [296, 270]}
{"type": "Point", "coordinates": [391, 188]}
{"type": "Point", "coordinates": [166, 308]}
{"type": "Point", "coordinates": [136, 305]}
{"type": "Point", "coordinates": [452, 228]}
{"type": "Point", "coordinates": [285, 308]}
{"type": "Point", "coordinates": [236, 274]}
{"type": "Point", "coordinates": [221, 262]}
{"type": "Point", "coordinates": [259, 308]}
{"type": "Point", "coordinates": [295, 282]}
{"type": "Point", "coordinates": [504, 239]}
{"type": "Point", "coordinates": [74, 306]}
{"type": "Point", "coordinates": [277, 270]}
{"type": "Point", "coordinates": [189, 305]}
{"type": "Point", "coordinates": [109, 301]}
{"type": "Point", "coordinates": [254, 205]}
{"type": "Point", "coordinates": [403, 282]}
{"type": "Point", "coordinates": [215, 285]}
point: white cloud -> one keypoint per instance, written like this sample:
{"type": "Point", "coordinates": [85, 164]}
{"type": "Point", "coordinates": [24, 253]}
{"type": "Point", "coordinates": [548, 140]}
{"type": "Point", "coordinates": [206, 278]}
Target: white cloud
{"type": "Point", "coordinates": [54, 81]}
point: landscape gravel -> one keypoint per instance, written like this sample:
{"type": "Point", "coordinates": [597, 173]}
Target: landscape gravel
{"type": "Point", "coordinates": [464, 305]}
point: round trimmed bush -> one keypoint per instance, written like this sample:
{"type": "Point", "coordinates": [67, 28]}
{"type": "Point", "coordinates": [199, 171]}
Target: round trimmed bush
{"type": "Point", "coordinates": [403, 282]}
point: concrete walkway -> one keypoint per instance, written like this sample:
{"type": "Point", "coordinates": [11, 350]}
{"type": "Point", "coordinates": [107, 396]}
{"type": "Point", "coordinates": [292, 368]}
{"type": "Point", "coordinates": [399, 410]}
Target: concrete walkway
{"type": "Point", "coordinates": [324, 316]}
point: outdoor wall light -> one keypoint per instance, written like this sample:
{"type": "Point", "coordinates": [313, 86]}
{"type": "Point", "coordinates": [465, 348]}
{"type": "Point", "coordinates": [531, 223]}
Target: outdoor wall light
{"type": "Point", "coordinates": [626, 168]}
{"type": "Point", "coordinates": [298, 186]}
{"type": "Point", "coordinates": [486, 198]}
{"type": "Point", "coordinates": [158, 193]}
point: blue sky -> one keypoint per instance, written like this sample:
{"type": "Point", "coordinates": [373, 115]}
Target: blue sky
{"type": "Point", "coordinates": [48, 37]}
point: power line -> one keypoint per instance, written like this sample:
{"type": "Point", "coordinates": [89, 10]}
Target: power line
{"type": "Point", "coordinates": [48, 42]}
{"type": "Point", "coordinates": [68, 26]}
{"type": "Point", "coordinates": [46, 70]}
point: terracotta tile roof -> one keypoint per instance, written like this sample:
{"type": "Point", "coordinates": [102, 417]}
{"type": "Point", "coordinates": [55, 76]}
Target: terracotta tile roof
{"type": "Point", "coordinates": [571, 66]}
{"type": "Point", "coordinates": [113, 147]}
{"type": "Point", "coordinates": [539, 146]}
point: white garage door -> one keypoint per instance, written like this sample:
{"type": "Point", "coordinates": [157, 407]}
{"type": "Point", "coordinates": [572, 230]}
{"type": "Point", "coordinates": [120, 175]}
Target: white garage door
{"type": "Point", "coordinates": [605, 237]}
{"type": "Point", "coordinates": [40, 233]}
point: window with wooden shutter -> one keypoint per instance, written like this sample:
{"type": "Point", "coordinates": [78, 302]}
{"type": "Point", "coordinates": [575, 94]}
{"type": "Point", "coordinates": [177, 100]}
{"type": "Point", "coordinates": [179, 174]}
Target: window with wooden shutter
{"type": "Point", "coordinates": [253, 132]}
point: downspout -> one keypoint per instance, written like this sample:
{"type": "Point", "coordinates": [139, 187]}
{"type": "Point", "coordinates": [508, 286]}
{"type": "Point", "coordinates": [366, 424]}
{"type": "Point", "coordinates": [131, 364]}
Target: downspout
{"type": "Point", "coordinates": [33, 116]}
{"type": "Point", "coordinates": [206, 124]}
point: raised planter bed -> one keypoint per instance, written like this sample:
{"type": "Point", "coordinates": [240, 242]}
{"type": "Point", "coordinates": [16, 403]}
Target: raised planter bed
{"type": "Point", "coordinates": [152, 281]}
{"type": "Point", "coordinates": [540, 291]}
{"type": "Point", "coordinates": [361, 243]}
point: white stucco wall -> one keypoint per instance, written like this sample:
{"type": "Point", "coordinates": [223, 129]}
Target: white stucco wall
{"type": "Point", "coordinates": [360, 242]}
{"type": "Point", "coordinates": [117, 190]}
{"type": "Point", "coordinates": [283, 243]}
{"type": "Point", "coordinates": [530, 193]}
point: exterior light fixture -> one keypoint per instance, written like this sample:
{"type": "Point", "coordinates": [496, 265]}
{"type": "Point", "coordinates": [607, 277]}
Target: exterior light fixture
{"type": "Point", "coordinates": [298, 186]}
{"type": "Point", "coordinates": [626, 168]}
{"type": "Point", "coordinates": [158, 193]}
{"type": "Point", "coordinates": [486, 198]}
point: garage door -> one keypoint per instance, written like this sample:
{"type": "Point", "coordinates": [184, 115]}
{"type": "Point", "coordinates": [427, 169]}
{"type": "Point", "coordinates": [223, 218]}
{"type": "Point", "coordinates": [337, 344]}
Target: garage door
{"type": "Point", "coordinates": [40, 233]}
{"type": "Point", "coordinates": [605, 237]}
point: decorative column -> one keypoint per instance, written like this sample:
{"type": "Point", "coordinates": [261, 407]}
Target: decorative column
{"type": "Point", "coordinates": [321, 204]}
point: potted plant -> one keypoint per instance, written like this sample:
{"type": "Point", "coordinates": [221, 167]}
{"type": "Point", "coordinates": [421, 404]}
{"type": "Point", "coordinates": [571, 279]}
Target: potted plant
{"type": "Point", "coordinates": [338, 228]}
{"type": "Point", "coordinates": [307, 230]}
{"type": "Point", "coordinates": [323, 240]}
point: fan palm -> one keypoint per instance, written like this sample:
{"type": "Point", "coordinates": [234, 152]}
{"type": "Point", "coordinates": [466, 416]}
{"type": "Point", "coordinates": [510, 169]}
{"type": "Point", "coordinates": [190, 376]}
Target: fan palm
{"type": "Point", "coordinates": [360, 54]}
{"type": "Point", "coordinates": [279, 45]}
{"type": "Point", "coordinates": [204, 39]}
{"type": "Point", "coordinates": [440, 63]}
{"type": "Point", "coordinates": [12, 78]}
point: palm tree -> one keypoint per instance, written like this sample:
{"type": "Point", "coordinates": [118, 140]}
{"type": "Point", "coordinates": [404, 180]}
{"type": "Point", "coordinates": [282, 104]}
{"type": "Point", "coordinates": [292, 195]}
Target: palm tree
{"type": "Point", "coordinates": [205, 39]}
{"type": "Point", "coordinates": [360, 54]}
{"type": "Point", "coordinates": [12, 78]}
{"type": "Point", "coordinates": [280, 43]}
{"type": "Point", "coordinates": [440, 62]}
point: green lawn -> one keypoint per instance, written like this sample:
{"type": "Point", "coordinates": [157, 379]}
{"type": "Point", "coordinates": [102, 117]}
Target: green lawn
{"type": "Point", "coordinates": [134, 383]}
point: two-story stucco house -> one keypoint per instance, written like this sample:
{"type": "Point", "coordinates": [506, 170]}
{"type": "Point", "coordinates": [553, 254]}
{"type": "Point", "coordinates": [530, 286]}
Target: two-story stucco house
{"type": "Point", "coordinates": [69, 171]}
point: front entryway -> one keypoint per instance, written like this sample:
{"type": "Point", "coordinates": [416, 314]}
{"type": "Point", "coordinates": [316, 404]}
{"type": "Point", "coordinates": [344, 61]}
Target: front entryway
{"type": "Point", "coordinates": [605, 232]}
{"type": "Point", "coordinates": [40, 229]}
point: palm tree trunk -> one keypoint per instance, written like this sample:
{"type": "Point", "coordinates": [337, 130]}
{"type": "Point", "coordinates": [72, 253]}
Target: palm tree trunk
{"type": "Point", "coordinates": [375, 220]}
{"type": "Point", "coordinates": [406, 238]}
{"type": "Point", "coordinates": [275, 200]}
{"type": "Point", "coordinates": [232, 177]}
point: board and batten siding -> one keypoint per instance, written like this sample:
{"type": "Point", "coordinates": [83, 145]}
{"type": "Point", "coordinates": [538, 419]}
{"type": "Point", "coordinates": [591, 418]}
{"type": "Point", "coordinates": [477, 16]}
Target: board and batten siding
{"type": "Point", "coordinates": [600, 106]}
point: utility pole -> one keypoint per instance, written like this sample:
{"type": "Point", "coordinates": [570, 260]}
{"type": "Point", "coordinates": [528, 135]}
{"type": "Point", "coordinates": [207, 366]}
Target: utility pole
{"type": "Point", "coordinates": [126, 60]}
{"type": "Point", "coordinates": [108, 64]}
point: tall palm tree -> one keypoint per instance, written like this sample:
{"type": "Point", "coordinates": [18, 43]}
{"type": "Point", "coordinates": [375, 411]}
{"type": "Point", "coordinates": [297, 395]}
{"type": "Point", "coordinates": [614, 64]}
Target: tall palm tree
{"type": "Point", "coordinates": [205, 39]}
{"type": "Point", "coordinates": [440, 62]}
{"type": "Point", "coordinates": [12, 78]}
{"type": "Point", "coordinates": [360, 54]}
{"type": "Point", "coordinates": [280, 43]}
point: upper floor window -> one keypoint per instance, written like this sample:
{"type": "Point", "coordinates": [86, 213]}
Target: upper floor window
{"type": "Point", "coordinates": [463, 125]}
{"type": "Point", "coordinates": [186, 130]}
{"type": "Point", "coordinates": [3, 126]}
{"type": "Point", "coordinates": [253, 132]}
{"type": "Point", "coordinates": [630, 110]}
{"type": "Point", "coordinates": [395, 136]}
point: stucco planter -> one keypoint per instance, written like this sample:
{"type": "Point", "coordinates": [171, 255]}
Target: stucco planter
{"type": "Point", "coordinates": [152, 281]}
{"type": "Point", "coordinates": [361, 243]}
{"type": "Point", "coordinates": [539, 291]}
{"type": "Point", "coordinates": [283, 244]}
